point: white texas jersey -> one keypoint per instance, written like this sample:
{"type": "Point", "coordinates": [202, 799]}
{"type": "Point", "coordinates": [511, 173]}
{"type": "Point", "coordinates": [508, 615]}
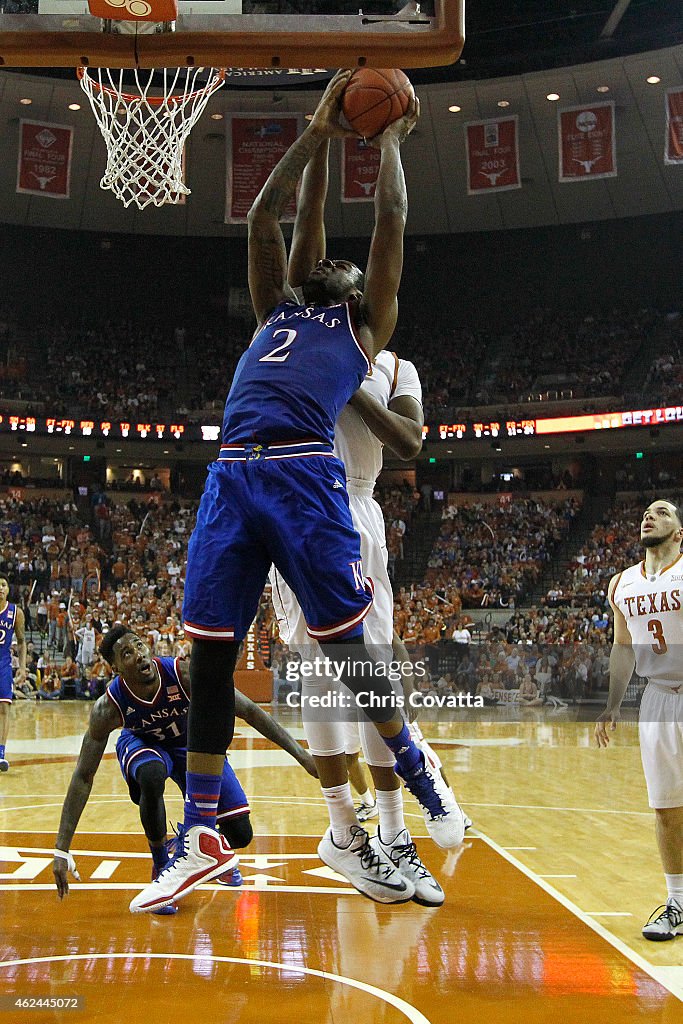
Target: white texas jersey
{"type": "Point", "coordinates": [361, 452]}
{"type": "Point", "coordinates": [652, 606]}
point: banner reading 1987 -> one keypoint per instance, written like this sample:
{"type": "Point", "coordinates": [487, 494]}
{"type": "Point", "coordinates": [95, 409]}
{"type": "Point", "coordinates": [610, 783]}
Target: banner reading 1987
{"type": "Point", "coordinates": [673, 147]}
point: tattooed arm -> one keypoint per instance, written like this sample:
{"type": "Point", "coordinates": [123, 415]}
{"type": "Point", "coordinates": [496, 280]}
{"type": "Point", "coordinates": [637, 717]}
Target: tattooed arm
{"type": "Point", "coordinates": [267, 253]}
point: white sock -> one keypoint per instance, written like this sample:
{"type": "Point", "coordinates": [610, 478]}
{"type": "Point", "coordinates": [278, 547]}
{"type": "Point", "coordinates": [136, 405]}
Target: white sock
{"type": "Point", "coordinates": [674, 887]}
{"type": "Point", "coordinates": [391, 820]}
{"type": "Point", "coordinates": [341, 811]}
{"type": "Point", "coordinates": [367, 798]}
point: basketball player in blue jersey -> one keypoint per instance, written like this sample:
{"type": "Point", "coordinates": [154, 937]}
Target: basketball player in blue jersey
{"type": "Point", "coordinates": [11, 625]}
{"type": "Point", "coordinates": [276, 495]}
{"type": "Point", "coordinates": [149, 701]}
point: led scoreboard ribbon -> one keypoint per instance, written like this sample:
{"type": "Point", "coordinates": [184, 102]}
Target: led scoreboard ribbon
{"type": "Point", "coordinates": [466, 430]}
{"type": "Point", "coordinates": [473, 430]}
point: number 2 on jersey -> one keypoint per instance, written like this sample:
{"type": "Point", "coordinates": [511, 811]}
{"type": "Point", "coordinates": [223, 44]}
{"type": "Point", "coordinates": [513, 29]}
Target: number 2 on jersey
{"type": "Point", "coordinates": [273, 356]}
{"type": "Point", "coordinates": [655, 627]}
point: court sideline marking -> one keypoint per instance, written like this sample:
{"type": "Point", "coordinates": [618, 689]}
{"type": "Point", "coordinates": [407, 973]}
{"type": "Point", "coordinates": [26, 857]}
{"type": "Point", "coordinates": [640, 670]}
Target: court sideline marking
{"type": "Point", "coordinates": [618, 944]}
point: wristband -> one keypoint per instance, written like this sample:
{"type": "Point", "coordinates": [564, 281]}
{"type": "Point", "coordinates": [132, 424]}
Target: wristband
{"type": "Point", "coordinates": [70, 862]}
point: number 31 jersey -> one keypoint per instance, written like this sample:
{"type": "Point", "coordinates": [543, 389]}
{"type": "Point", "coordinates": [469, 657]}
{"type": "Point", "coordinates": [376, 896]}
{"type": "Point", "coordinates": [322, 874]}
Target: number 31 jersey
{"type": "Point", "coordinates": [653, 608]}
{"type": "Point", "coordinates": [299, 372]}
{"type": "Point", "coordinates": [162, 719]}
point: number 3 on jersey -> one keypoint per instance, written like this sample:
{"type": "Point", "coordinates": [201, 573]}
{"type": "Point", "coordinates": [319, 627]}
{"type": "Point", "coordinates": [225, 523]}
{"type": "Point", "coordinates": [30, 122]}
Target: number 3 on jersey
{"type": "Point", "coordinates": [273, 356]}
{"type": "Point", "coordinates": [655, 627]}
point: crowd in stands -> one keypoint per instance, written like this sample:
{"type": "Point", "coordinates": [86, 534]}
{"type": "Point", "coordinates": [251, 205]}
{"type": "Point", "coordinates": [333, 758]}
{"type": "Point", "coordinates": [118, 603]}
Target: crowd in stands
{"type": "Point", "coordinates": [504, 672]}
{"type": "Point", "coordinates": [460, 367]}
{"type": "Point", "coordinates": [135, 381]}
{"type": "Point", "coordinates": [663, 383]}
{"type": "Point", "coordinates": [399, 504]}
{"type": "Point", "coordinates": [585, 353]}
{"type": "Point", "coordinates": [491, 555]}
{"type": "Point", "coordinates": [75, 579]}
{"type": "Point", "coordinates": [613, 544]}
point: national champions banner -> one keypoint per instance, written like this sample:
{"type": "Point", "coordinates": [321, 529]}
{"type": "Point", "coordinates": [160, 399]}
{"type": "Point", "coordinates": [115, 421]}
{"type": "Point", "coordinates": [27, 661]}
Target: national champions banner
{"type": "Point", "coordinates": [587, 142]}
{"type": "Point", "coordinates": [360, 167]}
{"type": "Point", "coordinates": [673, 146]}
{"type": "Point", "coordinates": [256, 142]}
{"type": "Point", "coordinates": [44, 161]}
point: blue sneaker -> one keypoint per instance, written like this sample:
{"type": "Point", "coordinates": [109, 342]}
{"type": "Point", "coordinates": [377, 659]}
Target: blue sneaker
{"type": "Point", "coordinates": [443, 817]}
{"type": "Point", "coordinates": [172, 908]}
{"type": "Point", "coordinates": [4, 764]}
{"type": "Point", "coordinates": [232, 877]}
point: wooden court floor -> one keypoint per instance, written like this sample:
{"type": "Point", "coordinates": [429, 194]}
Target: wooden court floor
{"type": "Point", "coordinates": [544, 901]}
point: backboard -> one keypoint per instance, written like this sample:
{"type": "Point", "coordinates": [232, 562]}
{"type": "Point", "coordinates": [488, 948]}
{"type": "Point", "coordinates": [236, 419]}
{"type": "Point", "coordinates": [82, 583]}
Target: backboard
{"type": "Point", "coordinates": [234, 33]}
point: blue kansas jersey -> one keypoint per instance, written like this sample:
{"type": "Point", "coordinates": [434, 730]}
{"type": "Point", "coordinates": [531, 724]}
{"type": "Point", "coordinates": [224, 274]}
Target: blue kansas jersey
{"type": "Point", "coordinates": [163, 720]}
{"type": "Point", "coordinates": [7, 619]}
{"type": "Point", "coordinates": [296, 376]}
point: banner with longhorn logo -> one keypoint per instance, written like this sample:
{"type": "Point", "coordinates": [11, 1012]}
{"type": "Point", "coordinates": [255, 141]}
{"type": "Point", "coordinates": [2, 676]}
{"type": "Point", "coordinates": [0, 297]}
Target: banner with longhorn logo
{"type": "Point", "coordinates": [44, 164]}
{"type": "Point", "coordinates": [492, 155]}
{"type": "Point", "coordinates": [587, 142]}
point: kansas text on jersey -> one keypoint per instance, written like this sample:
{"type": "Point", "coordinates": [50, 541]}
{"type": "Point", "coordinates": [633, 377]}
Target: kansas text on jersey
{"type": "Point", "coordinates": [162, 719]}
{"type": "Point", "coordinates": [300, 370]}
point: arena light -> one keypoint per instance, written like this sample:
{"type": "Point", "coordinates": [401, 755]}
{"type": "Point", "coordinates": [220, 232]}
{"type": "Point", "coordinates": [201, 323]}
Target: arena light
{"type": "Point", "coordinates": [653, 80]}
{"type": "Point", "coordinates": [216, 117]}
{"type": "Point", "coordinates": [503, 103]}
{"type": "Point", "coordinates": [603, 88]}
{"type": "Point", "coordinates": [553, 97]}
{"type": "Point", "coordinates": [74, 106]}
{"type": "Point", "coordinates": [25, 101]}
{"type": "Point", "coordinates": [455, 109]}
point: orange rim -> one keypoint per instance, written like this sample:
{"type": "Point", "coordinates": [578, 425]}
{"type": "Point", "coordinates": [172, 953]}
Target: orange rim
{"type": "Point", "coordinates": [154, 101]}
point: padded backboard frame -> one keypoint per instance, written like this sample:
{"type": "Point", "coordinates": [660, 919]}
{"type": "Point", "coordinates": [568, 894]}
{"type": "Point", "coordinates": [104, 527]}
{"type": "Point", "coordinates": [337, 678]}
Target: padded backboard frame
{"type": "Point", "coordinates": [409, 39]}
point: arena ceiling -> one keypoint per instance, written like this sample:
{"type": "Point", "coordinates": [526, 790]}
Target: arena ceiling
{"type": "Point", "coordinates": [517, 52]}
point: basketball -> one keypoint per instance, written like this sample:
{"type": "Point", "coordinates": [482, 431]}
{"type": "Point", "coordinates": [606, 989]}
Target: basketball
{"type": "Point", "coordinates": [374, 98]}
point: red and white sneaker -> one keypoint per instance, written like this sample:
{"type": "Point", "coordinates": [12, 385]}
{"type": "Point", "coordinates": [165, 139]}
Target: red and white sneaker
{"type": "Point", "coordinates": [201, 854]}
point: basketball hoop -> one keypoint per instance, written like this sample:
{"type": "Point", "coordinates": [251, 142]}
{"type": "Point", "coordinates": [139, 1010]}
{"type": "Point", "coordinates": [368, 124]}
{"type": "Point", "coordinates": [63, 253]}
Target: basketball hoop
{"type": "Point", "coordinates": [145, 135]}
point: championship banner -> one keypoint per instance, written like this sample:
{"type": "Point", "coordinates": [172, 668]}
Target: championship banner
{"type": "Point", "coordinates": [587, 142]}
{"type": "Point", "coordinates": [360, 167]}
{"type": "Point", "coordinates": [44, 164]}
{"type": "Point", "coordinates": [492, 155]}
{"type": "Point", "coordinates": [673, 146]}
{"type": "Point", "coordinates": [256, 142]}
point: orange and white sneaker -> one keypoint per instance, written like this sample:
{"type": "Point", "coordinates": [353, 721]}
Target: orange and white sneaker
{"type": "Point", "coordinates": [202, 853]}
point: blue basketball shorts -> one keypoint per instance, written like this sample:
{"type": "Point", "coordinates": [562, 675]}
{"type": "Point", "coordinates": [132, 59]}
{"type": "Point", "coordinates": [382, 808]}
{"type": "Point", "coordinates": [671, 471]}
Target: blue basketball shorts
{"type": "Point", "coordinates": [284, 504]}
{"type": "Point", "coordinates": [6, 685]}
{"type": "Point", "coordinates": [133, 751]}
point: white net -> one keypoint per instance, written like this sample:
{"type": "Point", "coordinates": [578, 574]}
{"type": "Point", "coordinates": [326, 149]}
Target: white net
{"type": "Point", "coordinates": [145, 133]}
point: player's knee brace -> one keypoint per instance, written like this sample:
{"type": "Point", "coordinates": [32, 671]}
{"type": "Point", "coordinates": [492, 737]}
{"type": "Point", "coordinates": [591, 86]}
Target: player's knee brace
{"type": "Point", "coordinates": [212, 707]}
{"type": "Point", "coordinates": [151, 778]}
{"type": "Point", "coordinates": [238, 831]}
